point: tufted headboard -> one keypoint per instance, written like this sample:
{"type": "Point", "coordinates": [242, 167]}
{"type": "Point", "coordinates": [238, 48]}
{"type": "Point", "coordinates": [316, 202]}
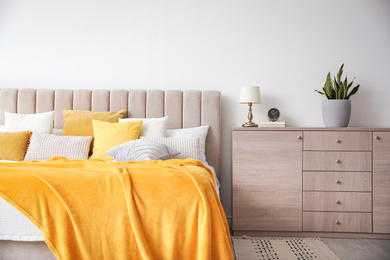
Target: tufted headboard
{"type": "Point", "coordinates": [188, 108]}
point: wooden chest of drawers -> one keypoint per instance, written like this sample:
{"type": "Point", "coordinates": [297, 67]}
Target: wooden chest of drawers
{"type": "Point", "coordinates": [311, 180]}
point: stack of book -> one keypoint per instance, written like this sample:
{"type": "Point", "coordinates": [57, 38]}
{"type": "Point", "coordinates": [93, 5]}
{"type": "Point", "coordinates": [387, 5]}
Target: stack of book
{"type": "Point", "coordinates": [273, 124]}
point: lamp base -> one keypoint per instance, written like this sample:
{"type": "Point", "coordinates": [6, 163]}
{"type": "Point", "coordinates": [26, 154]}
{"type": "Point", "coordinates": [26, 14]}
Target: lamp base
{"type": "Point", "coordinates": [250, 124]}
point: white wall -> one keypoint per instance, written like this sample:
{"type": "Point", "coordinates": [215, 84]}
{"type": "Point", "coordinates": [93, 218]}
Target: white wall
{"type": "Point", "coordinates": [286, 47]}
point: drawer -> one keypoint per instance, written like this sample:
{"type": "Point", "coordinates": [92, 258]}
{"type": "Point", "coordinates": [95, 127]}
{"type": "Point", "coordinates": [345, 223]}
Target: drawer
{"type": "Point", "coordinates": [337, 222]}
{"type": "Point", "coordinates": [337, 201]}
{"type": "Point", "coordinates": [337, 161]}
{"type": "Point", "coordinates": [337, 141]}
{"type": "Point", "coordinates": [337, 181]}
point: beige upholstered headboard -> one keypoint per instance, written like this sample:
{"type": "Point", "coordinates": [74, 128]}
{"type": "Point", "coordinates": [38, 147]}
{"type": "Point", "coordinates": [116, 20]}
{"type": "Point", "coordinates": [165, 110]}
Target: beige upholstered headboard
{"type": "Point", "coordinates": [188, 108]}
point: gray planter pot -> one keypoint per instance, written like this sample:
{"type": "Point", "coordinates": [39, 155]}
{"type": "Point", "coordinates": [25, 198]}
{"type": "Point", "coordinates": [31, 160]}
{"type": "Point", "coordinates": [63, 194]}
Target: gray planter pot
{"type": "Point", "coordinates": [336, 112]}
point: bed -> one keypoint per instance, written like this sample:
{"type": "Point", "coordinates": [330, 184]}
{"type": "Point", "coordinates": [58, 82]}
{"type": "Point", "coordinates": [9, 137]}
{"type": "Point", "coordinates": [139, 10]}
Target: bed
{"type": "Point", "coordinates": [183, 109]}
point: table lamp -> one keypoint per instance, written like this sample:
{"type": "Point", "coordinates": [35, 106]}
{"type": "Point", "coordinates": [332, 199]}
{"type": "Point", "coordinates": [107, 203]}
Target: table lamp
{"type": "Point", "coordinates": [250, 95]}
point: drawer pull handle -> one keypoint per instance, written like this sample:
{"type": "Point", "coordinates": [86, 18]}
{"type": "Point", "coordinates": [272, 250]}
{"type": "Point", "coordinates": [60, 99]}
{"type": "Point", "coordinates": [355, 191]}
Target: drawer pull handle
{"type": "Point", "coordinates": [338, 161]}
{"type": "Point", "coordinates": [338, 141]}
{"type": "Point", "coordinates": [299, 137]}
{"type": "Point", "coordinates": [338, 222]}
{"type": "Point", "coordinates": [338, 202]}
{"type": "Point", "coordinates": [377, 137]}
{"type": "Point", "coordinates": [338, 181]}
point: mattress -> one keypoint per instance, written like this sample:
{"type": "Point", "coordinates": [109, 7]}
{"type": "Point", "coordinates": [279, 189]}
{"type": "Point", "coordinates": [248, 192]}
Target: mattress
{"type": "Point", "coordinates": [17, 227]}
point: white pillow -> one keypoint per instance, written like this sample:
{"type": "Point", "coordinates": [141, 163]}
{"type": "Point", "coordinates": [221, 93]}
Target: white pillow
{"type": "Point", "coordinates": [199, 132]}
{"type": "Point", "coordinates": [150, 126]}
{"type": "Point", "coordinates": [188, 147]}
{"type": "Point", "coordinates": [2, 127]}
{"type": "Point", "coordinates": [45, 146]}
{"type": "Point", "coordinates": [57, 131]}
{"type": "Point", "coordinates": [40, 122]}
{"type": "Point", "coordinates": [140, 150]}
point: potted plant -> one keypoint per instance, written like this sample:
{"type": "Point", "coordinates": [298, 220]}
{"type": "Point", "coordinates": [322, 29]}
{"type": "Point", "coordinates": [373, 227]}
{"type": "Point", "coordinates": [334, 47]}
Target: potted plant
{"type": "Point", "coordinates": [336, 109]}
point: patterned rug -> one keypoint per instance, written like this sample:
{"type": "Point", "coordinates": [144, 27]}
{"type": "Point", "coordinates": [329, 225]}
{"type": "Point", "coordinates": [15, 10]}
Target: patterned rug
{"type": "Point", "coordinates": [259, 248]}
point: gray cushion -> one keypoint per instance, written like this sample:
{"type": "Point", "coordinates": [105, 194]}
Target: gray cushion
{"type": "Point", "coordinates": [140, 150]}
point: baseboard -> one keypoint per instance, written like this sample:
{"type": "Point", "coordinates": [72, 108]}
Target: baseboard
{"type": "Point", "coordinates": [309, 234]}
{"type": "Point", "coordinates": [229, 220]}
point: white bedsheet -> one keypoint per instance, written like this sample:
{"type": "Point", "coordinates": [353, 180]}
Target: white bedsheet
{"type": "Point", "coordinates": [16, 226]}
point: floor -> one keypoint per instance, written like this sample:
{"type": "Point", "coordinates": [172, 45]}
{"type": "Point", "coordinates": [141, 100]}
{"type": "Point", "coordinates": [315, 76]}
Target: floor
{"type": "Point", "coordinates": [359, 249]}
{"type": "Point", "coordinates": [345, 249]}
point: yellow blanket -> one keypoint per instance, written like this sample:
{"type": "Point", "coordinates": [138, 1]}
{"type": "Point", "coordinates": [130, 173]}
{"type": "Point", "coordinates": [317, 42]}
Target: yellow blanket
{"type": "Point", "coordinates": [105, 210]}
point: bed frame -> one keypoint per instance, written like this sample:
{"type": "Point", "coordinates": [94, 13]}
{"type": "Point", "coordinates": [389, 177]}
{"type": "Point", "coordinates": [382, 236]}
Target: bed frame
{"type": "Point", "coordinates": [188, 108]}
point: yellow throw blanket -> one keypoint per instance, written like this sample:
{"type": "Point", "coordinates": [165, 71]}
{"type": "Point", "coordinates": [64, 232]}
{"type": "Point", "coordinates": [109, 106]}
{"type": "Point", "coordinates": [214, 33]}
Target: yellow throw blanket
{"type": "Point", "coordinates": [106, 210]}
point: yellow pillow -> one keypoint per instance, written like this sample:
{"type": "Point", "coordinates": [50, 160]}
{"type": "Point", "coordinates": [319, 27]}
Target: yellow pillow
{"type": "Point", "coordinates": [13, 145]}
{"type": "Point", "coordinates": [79, 122]}
{"type": "Point", "coordinates": [108, 135]}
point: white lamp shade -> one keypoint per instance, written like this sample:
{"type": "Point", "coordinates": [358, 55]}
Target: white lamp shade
{"type": "Point", "coordinates": [250, 95]}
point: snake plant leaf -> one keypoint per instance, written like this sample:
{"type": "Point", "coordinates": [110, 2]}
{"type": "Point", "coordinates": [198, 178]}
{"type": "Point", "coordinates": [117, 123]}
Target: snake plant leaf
{"type": "Point", "coordinates": [329, 87]}
{"type": "Point", "coordinates": [349, 85]}
{"type": "Point", "coordinates": [342, 92]}
{"type": "Point", "coordinates": [340, 73]}
{"type": "Point", "coordinates": [322, 93]}
{"type": "Point", "coordinates": [336, 84]}
{"type": "Point", "coordinates": [326, 93]}
{"type": "Point", "coordinates": [354, 91]}
{"type": "Point", "coordinates": [346, 81]}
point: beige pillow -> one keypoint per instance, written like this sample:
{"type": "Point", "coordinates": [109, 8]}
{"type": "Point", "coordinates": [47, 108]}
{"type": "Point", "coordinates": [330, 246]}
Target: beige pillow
{"type": "Point", "coordinates": [199, 131]}
{"type": "Point", "coordinates": [188, 147]}
{"type": "Point", "coordinates": [45, 146]}
{"type": "Point", "coordinates": [79, 122]}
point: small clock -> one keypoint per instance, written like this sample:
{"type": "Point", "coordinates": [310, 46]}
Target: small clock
{"type": "Point", "coordinates": [273, 114]}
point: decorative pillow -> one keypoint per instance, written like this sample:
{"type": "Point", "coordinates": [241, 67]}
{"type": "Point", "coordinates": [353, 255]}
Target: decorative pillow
{"type": "Point", "coordinates": [40, 122]}
{"type": "Point", "coordinates": [200, 131]}
{"type": "Point", "coordinates": [140, 150]}
{"type": "Point", "coordinates": [108, 135]}
{"type": "Point", "coordinates": [13, 145]}
{"type": "Point", "coordinates": [57, 131]}
{"type": "Point", "coordinates": [188, 147]}
{"type": "Point", "coordinates": [79, 122]}
{"type": "Point", "coordinates": [151, 126]}
{"type": "Point", "coordinates": [45, 146]}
